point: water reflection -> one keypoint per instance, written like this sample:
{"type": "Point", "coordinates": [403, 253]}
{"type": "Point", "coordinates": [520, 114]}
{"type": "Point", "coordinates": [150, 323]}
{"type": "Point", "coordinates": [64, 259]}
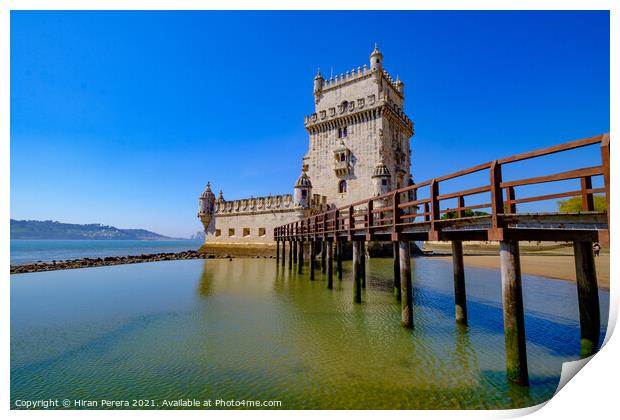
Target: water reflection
{"type": "Point", "coordinates": [250, 328]}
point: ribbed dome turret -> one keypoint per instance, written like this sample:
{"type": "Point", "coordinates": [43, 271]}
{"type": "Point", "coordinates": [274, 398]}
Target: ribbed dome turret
{"type": "Point", "coordinates": [303, 181]}
{"type": "Point", "coordinates": [376, 52]}
{"type": "Point", "coordinates": [381, 171]}
{"type": "Point", "coordinates": [207, 192]}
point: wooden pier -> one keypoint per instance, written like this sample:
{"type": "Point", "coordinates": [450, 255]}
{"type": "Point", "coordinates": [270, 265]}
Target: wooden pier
{"type": "Point", "coordinates": [402, 216]}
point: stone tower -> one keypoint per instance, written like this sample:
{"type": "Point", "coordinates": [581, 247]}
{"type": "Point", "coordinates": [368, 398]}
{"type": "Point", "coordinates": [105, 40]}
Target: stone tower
{"type": "Point", "coordinates": [358, 134]}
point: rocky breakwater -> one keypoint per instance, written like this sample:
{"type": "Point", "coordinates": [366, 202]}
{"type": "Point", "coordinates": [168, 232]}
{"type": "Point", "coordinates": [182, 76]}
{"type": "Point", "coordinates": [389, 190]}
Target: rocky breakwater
{"type": "Point", "coordinates": [96, 262]}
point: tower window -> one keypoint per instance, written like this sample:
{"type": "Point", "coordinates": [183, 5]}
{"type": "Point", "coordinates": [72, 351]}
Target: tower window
{"type": "Point", "coordinates": [342, 132]}
{"type": "Point", "coordinates": [384, 182]}
{"type": "Point", "coordinates": [304, 193]}
{"type": "Point", "coordinates": [342, 186]}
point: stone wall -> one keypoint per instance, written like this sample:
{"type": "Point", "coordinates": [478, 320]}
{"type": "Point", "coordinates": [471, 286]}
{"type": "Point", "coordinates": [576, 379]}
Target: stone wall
{"type": "Point", "coordinates": [248, 228]}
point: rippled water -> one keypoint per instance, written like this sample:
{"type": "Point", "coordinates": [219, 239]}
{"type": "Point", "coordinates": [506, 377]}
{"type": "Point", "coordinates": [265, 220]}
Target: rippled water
{"type": "Point", "coordinates": [248, 329]}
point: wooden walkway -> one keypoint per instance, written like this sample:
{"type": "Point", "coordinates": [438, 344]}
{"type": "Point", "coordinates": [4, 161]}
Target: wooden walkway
{"type": "Point", "coordinates": [422, 213]}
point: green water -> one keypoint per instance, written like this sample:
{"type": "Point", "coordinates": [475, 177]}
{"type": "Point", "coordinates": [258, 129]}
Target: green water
{"type": "Point", "coordinates": [250, 330]}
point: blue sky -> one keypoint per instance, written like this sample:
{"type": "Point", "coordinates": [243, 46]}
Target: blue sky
{"type": "Point", "coordinates": [122, 117]}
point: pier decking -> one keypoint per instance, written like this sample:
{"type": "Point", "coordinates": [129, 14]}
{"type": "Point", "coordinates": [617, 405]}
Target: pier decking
{"type": "Point", "coordinates": [421, 213]}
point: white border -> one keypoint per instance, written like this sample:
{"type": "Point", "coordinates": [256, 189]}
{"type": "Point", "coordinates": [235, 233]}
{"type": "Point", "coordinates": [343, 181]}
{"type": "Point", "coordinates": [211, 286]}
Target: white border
{"type": "Point", "coordinates": [593, 394]}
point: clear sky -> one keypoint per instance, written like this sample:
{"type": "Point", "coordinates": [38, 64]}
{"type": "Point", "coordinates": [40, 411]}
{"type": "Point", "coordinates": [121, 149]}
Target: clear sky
{"type": "Point", "coordinates": [122, 117]}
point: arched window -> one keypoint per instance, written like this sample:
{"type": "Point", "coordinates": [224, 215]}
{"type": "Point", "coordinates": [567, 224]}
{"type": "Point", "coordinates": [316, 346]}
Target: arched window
{"type": "Point", "coordinates": [342, 186]}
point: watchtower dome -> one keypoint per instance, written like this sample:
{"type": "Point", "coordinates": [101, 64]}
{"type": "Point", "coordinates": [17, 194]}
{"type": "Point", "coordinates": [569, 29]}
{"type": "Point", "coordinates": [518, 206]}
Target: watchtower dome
{"type": "Point", "coordinates": [376, 59]}
{"type": "Point", "coordinates": [302, 191]}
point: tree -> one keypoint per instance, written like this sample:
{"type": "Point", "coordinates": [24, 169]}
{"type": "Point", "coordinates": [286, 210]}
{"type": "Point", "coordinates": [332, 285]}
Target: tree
{"type": "Point", "coordinates": [466, 213]}
{"type": "Point", "coordinates": [573, 204]}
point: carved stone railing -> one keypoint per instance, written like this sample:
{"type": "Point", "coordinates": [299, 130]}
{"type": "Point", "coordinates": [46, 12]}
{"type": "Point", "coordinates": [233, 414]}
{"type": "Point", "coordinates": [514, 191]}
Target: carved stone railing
{"type": "Point", "coordinates": [255, 204]}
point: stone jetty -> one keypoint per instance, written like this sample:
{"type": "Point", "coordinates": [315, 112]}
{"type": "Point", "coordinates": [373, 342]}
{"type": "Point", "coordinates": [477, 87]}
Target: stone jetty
{"type": "Point", "coordinates": [129, 259]}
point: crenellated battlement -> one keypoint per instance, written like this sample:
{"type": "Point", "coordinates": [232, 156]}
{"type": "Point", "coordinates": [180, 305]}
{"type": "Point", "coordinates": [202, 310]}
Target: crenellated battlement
{"type": "Point", "coordinates": [359, 109]}
{"type": "Point", "coordinates": [355, 75]}
{"type": "Point", "coordinates": [270, 203]}
{"type": "Point", "coordinates": [344, 78]}
{"type": "Point", "coordinates": [254, 204]}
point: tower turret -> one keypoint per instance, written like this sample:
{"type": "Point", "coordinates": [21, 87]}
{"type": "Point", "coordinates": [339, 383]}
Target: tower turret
{"type": "Point", "coordinates": [318, 85]}
{"type": "Point", "coordinates": [302, 191]}
{"type": "Point", "coordinates": [376, 59]}
{"type": "Point", "coordinates": [400, 86]}
{"type": "Point", "coordinates": [206, 208]}
{"type": "Point", "coordinates": [381, 177]}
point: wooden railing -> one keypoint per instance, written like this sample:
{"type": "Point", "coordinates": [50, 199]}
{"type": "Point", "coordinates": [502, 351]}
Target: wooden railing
{"type": "Point", "coordinates": [401, 209]}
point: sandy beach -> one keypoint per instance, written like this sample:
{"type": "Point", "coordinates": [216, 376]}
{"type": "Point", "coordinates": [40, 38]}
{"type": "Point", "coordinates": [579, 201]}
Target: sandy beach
{"type": "Point", "coordinates": [554, 266]}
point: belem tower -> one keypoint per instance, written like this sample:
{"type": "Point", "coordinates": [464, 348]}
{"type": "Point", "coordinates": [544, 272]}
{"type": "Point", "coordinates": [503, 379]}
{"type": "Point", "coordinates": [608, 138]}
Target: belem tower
{"type": "Point", "coordinates": [358, 146]}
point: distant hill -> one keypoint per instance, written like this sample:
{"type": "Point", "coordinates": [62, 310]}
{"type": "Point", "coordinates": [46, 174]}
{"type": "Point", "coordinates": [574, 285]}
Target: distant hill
{"type": "Point", "coordinates": [48, 229]}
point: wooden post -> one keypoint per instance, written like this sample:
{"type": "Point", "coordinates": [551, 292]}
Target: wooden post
{"type": "Point", "coordinates": [290, 255]}
{"type": "Point", "coordinates": [406, 301]}
{"type": "Point", "coordinates": [587, 293]}
{"type": "Point", "coordinates": [300, 257]}
{"type": "Point", "coordinates": [339, 252]}
{"type": "Point", "coordinates": [323, 254]}
{"type": "Point", "coordinates": [357, 275]}
{"type": "Point", "coordinates": [514, 322]}
{"type": "Point", "coordinates": [312, 258]}
{"type": "Point", "coordinates": [510, 206]}
{"type": "Point", "coordinates": [369, 221]}
{"type": "Point", "coordinates": [460, 299]}
{"type": "Point", "coordinates": [295, 251]}
{"type": "Point", "coordinates": [363, 264]}
{"type": "Point", "coordinates": [330, 265]}
{"type": "Point", "coordinates": [587, 199]}
{"type": "Point", "coordinates": [283, 253]}
{"type": "Point", "coordinates": [351, 222]}
{"type": "Point", "coordinates": [606, 173]}
{"type": "Point", "coordinates": [396, 260]}
{"type": "Point", "coordinates": [277, 252]}
{"type": "Point", "coordinates": [497, 200]}
{"type": "Point", "coordinates": [395, 215]}
{"type": "Point", "coordinates": [435, 208]}
{"type": "Point", "coordinates": [460, 204]}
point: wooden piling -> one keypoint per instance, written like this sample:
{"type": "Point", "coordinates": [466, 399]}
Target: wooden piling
{"type": "Point", "coordinates": [295, 251]}
{"type": "Point", "coordinates": [300, 258]}
{"type": "Point", "coordinates": [406, 290]}
{"type": "Point", "coordinates": [363, 265]}
{"type": "Point", "coordinates": [460, 298]}
{"type": "Point", "coordinates": [312, 258]}
{"type": "Point", "coordinates": [357, 275]}
{"type": "Point", "coordinates": [587, 293]}
{"type": "Point", "coordinates": [323, 255]}
{"type": "Point", "coordinates": [290, 255]}
{"type": "Point", "coordinates": [330, 265]}
{"type": "Point", "coordinates": [396, 261]}
{"type": "Point", "coordinates": [514, 322]}
{"type": "Point", "coordinates": [339, 250]}
{"type": "Point", "coordinates": [283, 253]}
{"type": "Point", "coordinates": [277, 252]}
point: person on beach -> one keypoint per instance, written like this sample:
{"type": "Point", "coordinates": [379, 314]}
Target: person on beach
{"type": "Point", "coordinates": [596, 247]}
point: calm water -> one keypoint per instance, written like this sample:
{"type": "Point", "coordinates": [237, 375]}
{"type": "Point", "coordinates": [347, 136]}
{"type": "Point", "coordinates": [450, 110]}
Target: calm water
{"type": "Point", "coordinates": [33, 250]}
{"type": "Point", "coordinates": [246, 329]}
